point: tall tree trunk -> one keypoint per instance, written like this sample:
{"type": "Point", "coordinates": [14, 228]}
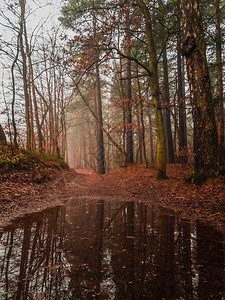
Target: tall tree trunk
{"type": "Point", "coordinates": [99, 123]}
{"type": "Point", "coordinates": [155, 93]}
{"type": "Point", "coordinates": [151, 136]}
{"type": "Point", "coordinates": [100, 143]}
{"type": "Point", "coordinates": [129, 130]}
{"type": "Point", "coordinates": [63, 121]}
{"type": "Point", "coordinates": [184, 97]}
{"type": "Point", "coordinates": [206, 156]}
{"type": "Point", "coordinates": [142, 129]}
{"type": "Point", "coordinates": [50, 125]}
{"type": "Point", "coordinates": [175, 119]}
{"type": "Point", "coordinates": [139, 157]}
{"type": "Point", "coordinates": [124, 155]}
{"type": "Point", "coordinates": [33, 145]}
{"type": "Point", "coordinates": [182, 134]}
{"type": "Point", "coordinates": [24, 73]}
{"type": "Point", "coordinates": [166, 96]}
{"type": "Point", "coordinates": [14, 90]}
{"type": "Point", "coordinates": [55, 110]}
{"type": "Point", "coordinates": [219, 67]}
{"type": "Point", "coordinates": [166, 93]}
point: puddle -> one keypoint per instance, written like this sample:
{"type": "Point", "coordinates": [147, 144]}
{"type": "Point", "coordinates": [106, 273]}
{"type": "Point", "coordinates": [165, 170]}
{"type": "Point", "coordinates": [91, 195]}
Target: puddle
{"type": "Point", "coordinates": [110, 250]}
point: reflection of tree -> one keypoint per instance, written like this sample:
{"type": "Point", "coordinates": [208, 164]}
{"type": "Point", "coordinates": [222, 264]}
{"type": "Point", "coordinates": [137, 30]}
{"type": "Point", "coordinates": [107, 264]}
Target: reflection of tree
{"type": "Point", "coordinates": [84, 248]}
{"type": "Point", "coordinates": [123, 256]}
{"type": "Point", "coordinates": [142, 252]}
{"type": "Point", "coordinates": [166, 261]}
{"type": "Point", "coordinates": [7, 257]}
{"type": "Point", "coordinates": [99, 243]}
{"type": "Point", "coordinates": [33, 265]}
{"type": "Point", "coordinates": [184, 258]}
{"type": "Point", "coordinates": [21, 293]}
{"type": "Point", "coordinates": [110, 250]}
{"type": "Point", "coordinates": [210, 261]}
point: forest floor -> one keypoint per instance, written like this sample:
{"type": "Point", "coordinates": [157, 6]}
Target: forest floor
{"type": "Point", "coordinates": [21, 194]}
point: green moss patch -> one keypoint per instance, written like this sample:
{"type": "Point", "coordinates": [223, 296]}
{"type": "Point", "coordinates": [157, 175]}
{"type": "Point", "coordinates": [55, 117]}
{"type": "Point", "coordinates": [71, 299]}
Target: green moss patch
{"type": "Point", "coordinates": [36, 166]}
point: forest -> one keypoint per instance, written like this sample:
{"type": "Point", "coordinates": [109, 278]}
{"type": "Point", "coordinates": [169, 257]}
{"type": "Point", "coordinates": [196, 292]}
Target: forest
{"type": "Point", "coordinates": [116, 83]}
{"type": "Point", "coordinates": [112, 149]}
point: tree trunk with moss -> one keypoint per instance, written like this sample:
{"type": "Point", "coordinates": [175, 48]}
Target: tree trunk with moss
{"type": "Point", "coordinates": [219, 70]}
{"type": "Point", "coordinates": [155, 92]}
{"type": "Point", "coordinates": [206, 156]}
{"type": "Point", "coordinates": [2, 135]}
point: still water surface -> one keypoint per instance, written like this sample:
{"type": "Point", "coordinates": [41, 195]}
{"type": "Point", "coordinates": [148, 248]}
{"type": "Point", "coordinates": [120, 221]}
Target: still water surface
{"type": "Point", "coordinates": [110, 250]}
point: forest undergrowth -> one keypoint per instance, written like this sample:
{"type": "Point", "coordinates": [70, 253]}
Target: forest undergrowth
{"type": "Point", "coordinates": [30, 182]}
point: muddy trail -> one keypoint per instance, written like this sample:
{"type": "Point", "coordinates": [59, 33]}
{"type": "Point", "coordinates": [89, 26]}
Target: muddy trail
{"type": "Point", "coordinates": [123, 235]}
{"type": "Point", "coordinates": [207, 202]}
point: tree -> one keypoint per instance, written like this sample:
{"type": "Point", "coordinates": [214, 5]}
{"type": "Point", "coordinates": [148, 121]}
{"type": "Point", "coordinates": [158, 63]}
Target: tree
{"type": "Point", "coordinates": [155, 92]}
{"type": "Point", "coordinates": [219, 69]}
{"type": "Point", "coordinates": [89, 58]}
{"type": "Point", "coordinates": [99, 123]}
{"type": "Point", "coordinates": [166, 86]}
{"type": "Point", "coordinates": [2, 135]}
{"type": "Point", "coordinates": [180, 94]}
{"type": "Point", "coordinates": [206, 156]}
{"type": "Point", "coordinates": [166, 96]}
{"type": "Point", "coordinates": [129, 131]}
{"type": "Point", "coordinates": [28, 111]}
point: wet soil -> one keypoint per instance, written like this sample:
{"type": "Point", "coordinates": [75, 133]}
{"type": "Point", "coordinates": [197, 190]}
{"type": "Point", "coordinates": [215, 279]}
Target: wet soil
{"type": "Point", "coordinates": [18, 196]}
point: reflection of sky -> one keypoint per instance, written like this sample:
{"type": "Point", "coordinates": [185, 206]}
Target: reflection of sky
{"type": "Point", "coordinates": [38, 12]}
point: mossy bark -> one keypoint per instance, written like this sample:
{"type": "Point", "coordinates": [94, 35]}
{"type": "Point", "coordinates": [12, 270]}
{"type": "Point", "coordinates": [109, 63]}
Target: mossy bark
{"type": "Point", "coordinates": [2, 135]}
{"type": "Point", "coordinates": [206, 155]}
{"type": "Point", "coordinates": [219, 71]}
{"type": "Point", "coordinates": [155, 93]}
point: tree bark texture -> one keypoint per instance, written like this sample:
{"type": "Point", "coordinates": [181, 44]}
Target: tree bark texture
{"type": "Point", "coordinates": [31, 73]}
{"type": "Point", "coordinates": [99, 123]}
{"type": "Point", "coordinates": [166, 101]}
{"type": "Point", "coordinates": [2, 135]}
{"type": "Point", "coordinates": [206, 157]}
{"type": "Point", "coordinates": [14, 89]}
{"type": "Point", "coordinates": [181, 100]}
{"type": "Point", "coordinates": [219, 67]}
{"type": "Point", "coordinates": [155, 92]}
{"type": "Point", "coordinates": [100, 143]}
{"type": "Point", "coordinates": [129, 130]}
{"type": "Point", "coordinates": [151, 135]}
{"type": "Point", "coordinates": [25, 83]}
{"type": "Point", "coordinates": [142, 129]}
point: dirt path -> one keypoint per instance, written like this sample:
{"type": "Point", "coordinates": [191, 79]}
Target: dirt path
{"type": "Point", "coordinates": [133, 183]}
{"type": "Point", "coordinates": [137, 183]}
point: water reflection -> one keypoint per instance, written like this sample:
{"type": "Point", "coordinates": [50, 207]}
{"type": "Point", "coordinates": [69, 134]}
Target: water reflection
{"type": "Point", "coordinates": [110, 250]}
